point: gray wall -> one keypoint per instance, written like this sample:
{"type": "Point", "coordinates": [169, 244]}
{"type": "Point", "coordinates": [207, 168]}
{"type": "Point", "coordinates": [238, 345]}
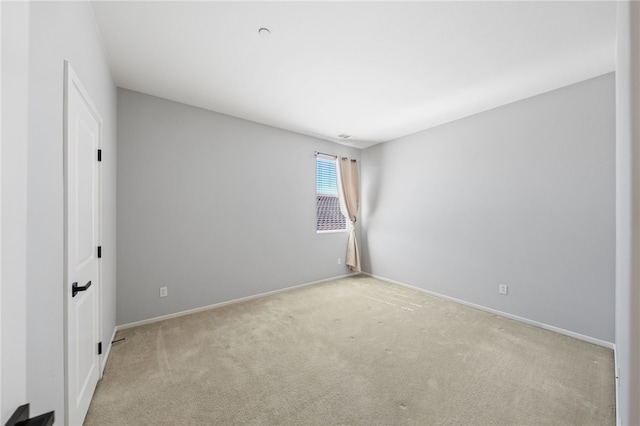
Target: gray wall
{"type": "Point", "coordinates": [628, 212]}
{"type": "Point", "coordinates": [213, 207]}
{"type": "Point", "coordinates": [522, 195]}
{"type": "Point", "coordinates": [61, 31]}
{"type": "Point", "coordinates": [14, 52]}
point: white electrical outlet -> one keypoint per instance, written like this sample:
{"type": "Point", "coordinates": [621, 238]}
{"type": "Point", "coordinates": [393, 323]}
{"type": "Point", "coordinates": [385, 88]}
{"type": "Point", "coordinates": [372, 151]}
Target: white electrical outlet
{"type": "Point", "coordinates": [339, 261]}
{"type": "Point", "coordinates": [503, 289]}
{"type": "Point", "coordinates": [163, 292]}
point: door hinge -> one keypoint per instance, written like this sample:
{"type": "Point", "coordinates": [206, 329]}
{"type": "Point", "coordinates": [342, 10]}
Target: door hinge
{"type": "Point", "coordinates": [99, 348]}
{"type": "Point", "coordinates": [99, 155]}
{"type": "Point", "coordinates": [99, 252]}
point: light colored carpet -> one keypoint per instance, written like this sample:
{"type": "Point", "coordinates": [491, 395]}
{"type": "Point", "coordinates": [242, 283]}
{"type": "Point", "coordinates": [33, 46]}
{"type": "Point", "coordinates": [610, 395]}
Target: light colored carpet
{"type": "Point", "coordinates": [355, 351]}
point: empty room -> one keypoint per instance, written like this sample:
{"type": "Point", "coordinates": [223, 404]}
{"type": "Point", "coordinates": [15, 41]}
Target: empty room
{"type": "Point", "coordinates": [319, 213]}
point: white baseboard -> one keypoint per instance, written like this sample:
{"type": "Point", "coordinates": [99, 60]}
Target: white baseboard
{"type": "Point", "coordinates": [579, 336]}
{"type": "Point", "coordinates": [230, 302]}
{"type": "Point", "coordinates": [617, 384]}
{"type": "Point", "coordinates": [103, 361]}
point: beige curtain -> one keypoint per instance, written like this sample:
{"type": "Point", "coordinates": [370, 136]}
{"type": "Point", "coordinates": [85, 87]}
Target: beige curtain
{"type": "Point", "coordinates": [350, 179]}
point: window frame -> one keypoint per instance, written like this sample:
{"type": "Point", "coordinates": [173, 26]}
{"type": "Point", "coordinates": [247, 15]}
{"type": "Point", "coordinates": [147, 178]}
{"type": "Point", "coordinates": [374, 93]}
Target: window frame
{"type": "Point", "coordinates": [347, 222]}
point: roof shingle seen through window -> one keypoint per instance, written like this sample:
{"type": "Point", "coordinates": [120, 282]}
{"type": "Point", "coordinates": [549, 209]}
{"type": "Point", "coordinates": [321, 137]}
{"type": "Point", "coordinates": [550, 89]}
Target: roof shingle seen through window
{"type": "Point", "coordinates": [328, 214]}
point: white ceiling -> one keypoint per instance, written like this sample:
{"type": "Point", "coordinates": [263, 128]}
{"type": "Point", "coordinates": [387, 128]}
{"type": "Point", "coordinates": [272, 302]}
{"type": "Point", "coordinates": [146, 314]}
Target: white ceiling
{"type": "Point", "coordinates": [374, 70]}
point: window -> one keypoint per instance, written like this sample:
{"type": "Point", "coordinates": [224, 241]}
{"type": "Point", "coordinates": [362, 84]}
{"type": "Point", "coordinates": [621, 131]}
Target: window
{"type": "Point", "coordinates": [328, 214]}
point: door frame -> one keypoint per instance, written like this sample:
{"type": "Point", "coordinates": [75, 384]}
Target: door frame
{"type": "Point", "coordinates": [71, 79]}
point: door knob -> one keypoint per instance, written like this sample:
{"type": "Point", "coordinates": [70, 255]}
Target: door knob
{"type": "Point", "coordinates": [75, 289]}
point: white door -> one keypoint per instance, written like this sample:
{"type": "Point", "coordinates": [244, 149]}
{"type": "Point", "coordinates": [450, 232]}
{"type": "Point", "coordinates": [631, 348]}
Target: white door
{"type": "Point", "coordinates": [83, 127]}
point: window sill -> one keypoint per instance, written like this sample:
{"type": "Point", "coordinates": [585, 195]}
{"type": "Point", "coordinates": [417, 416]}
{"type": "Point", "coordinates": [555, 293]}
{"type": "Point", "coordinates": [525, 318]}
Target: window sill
{"type": "Point", "coordinates": [334, 231]}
